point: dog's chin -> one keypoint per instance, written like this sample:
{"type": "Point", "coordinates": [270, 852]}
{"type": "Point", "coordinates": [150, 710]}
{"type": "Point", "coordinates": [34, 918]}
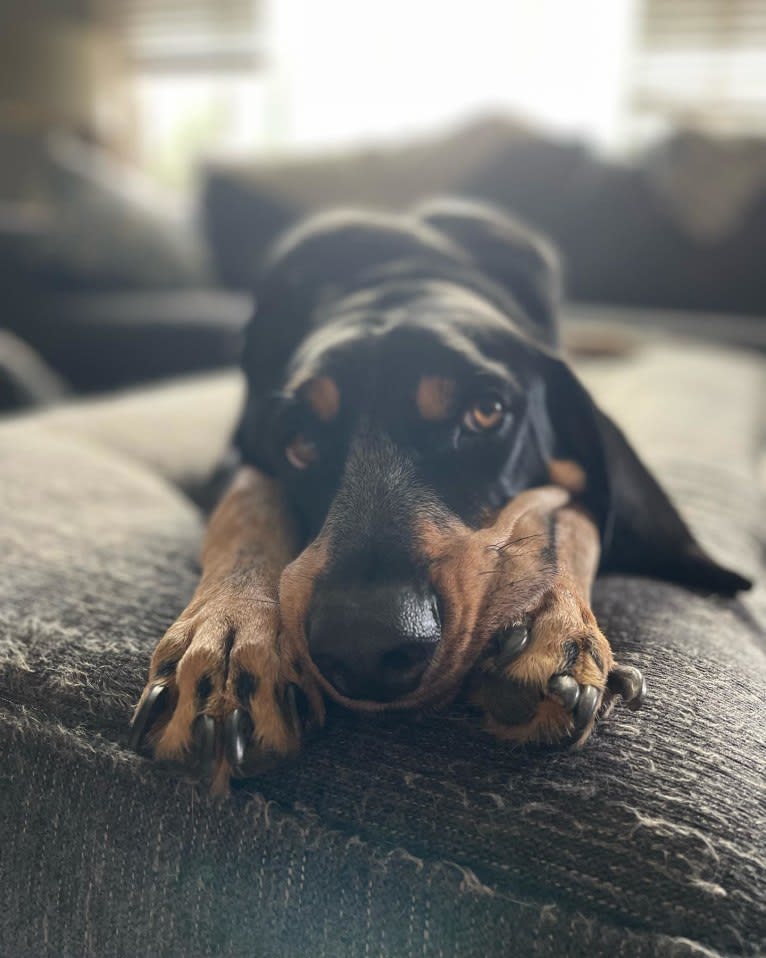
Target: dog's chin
{"type": "Point", "coordinates": [414, 691]}
{"type": "Point", "coordinates": [371, 697]}
{"type": "Point", "coordinates": [385, 689]}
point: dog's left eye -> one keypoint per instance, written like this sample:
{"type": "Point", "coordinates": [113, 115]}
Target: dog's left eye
{"type": "Point", "coordinates": [484, 414]}
{"type": "Point", "coordinates": [300, 452]}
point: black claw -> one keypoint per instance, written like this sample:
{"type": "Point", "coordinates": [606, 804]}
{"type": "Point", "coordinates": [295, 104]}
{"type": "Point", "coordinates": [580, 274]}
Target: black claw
{"type": "Point", "coordinates": [237, 732]}
{"type": "Point", "coordinates": [565, 690]}
{"type": "Point", "coordinates": [203, 736]}
{"type": "Point", "coordinates": [513, 641]}
{"type": "Point", "coordinates": [147, 713]}
{"type": "Point", "coordinates": [586, 706]}
{"type": "Point", "coordinates": [628, 682]}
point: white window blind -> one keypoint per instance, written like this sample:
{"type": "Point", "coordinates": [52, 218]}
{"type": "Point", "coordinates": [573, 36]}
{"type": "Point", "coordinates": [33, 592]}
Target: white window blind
{"type": "Point", "coordinates": [192, 35]}
{"type": "Point", "coordinates": [703, 59]}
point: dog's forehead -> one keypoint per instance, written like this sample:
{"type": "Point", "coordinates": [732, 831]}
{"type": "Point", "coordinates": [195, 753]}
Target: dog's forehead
{"type": "Point", "coordinates": [379, 348]}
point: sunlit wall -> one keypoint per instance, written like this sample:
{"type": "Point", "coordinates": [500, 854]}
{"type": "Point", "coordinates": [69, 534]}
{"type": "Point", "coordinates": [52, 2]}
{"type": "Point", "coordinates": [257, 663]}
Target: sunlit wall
{"type": "Point", "coordinates": [342, 71]}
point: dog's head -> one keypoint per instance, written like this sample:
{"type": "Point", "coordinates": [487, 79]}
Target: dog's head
{"type": "Point", "coordinates": [404, 384]}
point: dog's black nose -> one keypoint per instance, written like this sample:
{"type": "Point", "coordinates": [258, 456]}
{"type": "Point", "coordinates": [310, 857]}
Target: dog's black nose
{"type": "Point", "coordinates": [373, 642]}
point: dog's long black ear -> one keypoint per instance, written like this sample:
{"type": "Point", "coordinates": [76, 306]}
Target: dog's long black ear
{"type": "Point", "coordinates": [509, 253]}
{"type": "Point", "coordinates": [642, 531]}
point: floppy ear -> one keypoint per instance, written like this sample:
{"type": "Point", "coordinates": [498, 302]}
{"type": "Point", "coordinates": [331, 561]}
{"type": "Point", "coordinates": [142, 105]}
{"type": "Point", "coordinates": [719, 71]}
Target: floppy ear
{"type": "Point", "coordinates": [508, 252]}
{"type": "Point", "coordinates": [642, 531]}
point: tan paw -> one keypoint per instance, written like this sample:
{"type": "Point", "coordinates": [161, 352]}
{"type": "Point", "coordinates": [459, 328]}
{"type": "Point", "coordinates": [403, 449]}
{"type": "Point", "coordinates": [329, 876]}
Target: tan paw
{"type": "Point", "coordinates": [226, 696]}
{"type": "Point", "coordinates": [549, 679]}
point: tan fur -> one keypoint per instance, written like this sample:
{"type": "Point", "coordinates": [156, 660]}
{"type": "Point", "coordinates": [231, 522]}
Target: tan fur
{"type": "Point", "coordinates": [435, 398]}
{"type": "Point", "coordinates": [488, 578]}
{"type": "Point", "coordinates": [296, 586]}
{"type": "Point", "coordinates": [563, 616]}
{"type": "Point", "coordinates": [323, 396]}
{"type": "Point", "coordinates": [231, 624]}
{"type": "Point", "coordinates": [567, 473]}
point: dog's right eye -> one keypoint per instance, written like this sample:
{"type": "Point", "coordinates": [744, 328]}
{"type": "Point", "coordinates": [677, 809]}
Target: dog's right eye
{"type": "Point", "coordinates": [301, 452]}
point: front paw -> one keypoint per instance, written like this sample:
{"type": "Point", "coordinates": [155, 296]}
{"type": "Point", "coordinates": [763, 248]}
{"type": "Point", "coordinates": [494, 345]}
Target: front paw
{"type": "Point", "coordinates": [226, 697]}
{"type": "Point", "coordinates": [549, 679]}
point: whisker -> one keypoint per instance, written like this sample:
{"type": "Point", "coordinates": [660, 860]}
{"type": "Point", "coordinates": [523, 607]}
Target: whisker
{"type": "Point", "coordinates": [512, 542]}
{"type": "Point", "coordinates": [525, 578]}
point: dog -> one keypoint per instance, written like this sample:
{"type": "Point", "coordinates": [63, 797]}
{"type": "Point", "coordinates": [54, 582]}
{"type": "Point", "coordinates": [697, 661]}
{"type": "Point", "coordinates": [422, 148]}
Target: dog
{"type": "Point", "coordinates": [424, 497]}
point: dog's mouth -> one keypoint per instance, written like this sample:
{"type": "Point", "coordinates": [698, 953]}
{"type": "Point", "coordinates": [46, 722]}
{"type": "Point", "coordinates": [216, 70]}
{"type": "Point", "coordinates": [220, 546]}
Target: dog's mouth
{"type": "Point", "coordinates": [398, 674]}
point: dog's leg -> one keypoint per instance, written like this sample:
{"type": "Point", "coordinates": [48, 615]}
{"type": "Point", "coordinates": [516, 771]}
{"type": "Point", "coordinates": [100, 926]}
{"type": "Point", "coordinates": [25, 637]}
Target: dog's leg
{"type": "Point", "coordinates": [227, 692]}
{"type": "Point", "coordinates": [548, 676]}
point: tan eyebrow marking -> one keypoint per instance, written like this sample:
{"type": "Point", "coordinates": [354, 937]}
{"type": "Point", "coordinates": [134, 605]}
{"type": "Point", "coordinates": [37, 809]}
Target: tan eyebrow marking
{"type": "Point", "coordinates": [435, 397]}
{"type": "Point", "coordinates": [568, 474]}
{"type": "Point", "coordinates": [323, 396]}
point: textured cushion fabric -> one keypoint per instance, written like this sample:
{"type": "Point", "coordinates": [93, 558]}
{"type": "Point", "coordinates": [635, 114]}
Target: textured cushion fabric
{"type": "Point", "coordinates": [395, 837]}
{"type": "Point", "coordinates": [180, 430]}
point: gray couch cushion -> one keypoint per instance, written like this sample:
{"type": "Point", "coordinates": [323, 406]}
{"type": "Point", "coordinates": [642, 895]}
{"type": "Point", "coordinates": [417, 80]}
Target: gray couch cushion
{"type": "Point", "coordinates": [389, 838]}
{"type": "Point", "coordinates": [111, 339]}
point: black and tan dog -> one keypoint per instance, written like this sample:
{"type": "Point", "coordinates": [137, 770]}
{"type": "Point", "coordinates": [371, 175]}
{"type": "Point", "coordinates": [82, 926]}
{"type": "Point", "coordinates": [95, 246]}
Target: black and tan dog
{"type": "Point", "coordinates": [425, 496]}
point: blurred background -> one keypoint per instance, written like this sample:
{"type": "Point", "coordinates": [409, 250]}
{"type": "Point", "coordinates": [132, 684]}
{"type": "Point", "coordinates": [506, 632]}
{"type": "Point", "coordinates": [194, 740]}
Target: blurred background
{"type": "Point", "coordinates": [150, 150]}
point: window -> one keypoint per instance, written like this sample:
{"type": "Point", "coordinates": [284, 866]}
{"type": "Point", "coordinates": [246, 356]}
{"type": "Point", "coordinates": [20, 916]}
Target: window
{"type": "Point", "coordinates": [702, 62]}
{"type": "Point", "coordinates": [196, 72]}
{"type": "Point", "coordinates": [191, 35]}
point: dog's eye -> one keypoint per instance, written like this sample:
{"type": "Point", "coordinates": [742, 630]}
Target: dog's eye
{"type": "Point", "coordinates": [301, 452]}
{"type": "Point", "coordinates": [485, 414]}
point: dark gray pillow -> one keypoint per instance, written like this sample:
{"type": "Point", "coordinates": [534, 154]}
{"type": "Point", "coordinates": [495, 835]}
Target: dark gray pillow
{"type": "Point", "coordinates": [99, 224]}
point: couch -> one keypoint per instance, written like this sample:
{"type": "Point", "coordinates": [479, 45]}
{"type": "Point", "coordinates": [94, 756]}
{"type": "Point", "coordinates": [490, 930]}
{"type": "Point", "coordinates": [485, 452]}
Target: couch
{"type": "Point", "coordinates": [103, 282]}
{"type": "Point", "coordinates": [679, 225]}
{"type": "Point", "coordinates": [391, 837]}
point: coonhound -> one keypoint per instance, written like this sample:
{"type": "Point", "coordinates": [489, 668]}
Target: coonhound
{"type": "Point", "coordinates": [426, 492]}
